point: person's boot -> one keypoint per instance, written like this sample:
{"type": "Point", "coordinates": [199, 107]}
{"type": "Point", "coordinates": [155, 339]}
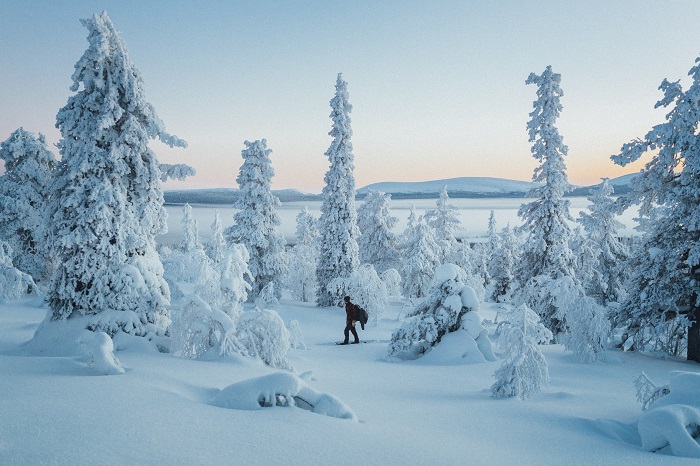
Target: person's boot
{"type": "Point", "coordinates": [355, 342]}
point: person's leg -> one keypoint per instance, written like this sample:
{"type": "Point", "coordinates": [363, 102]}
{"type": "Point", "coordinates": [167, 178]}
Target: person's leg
{"type": "Point", "coordinates": [347, 332]}
{"type": "Point", "coordinates": [354, 333]}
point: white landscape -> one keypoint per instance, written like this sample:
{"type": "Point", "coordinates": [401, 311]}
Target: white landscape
{"type": "Point", "coordinates": [499, 330]}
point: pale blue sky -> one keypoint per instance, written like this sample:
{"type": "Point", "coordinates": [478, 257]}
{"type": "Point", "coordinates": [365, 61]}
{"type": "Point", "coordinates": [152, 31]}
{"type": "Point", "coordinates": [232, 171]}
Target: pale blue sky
{"type": "Point", "coordinates": [438, 87]}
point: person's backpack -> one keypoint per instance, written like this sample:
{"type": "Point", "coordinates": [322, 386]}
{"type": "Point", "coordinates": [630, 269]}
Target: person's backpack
{"type": "Point", "coordinates": [362, 316]}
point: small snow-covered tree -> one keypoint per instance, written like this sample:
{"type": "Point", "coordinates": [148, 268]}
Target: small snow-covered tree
{"type": "Point", "coordinates": [264, 336]}
{"type": "Point", "coordinates": [24, 194]}
{"type": "Point", "coordinates": [377, 243]}
{"type": "Point", "coordinates": [603, 229]}
{"type": "Point", "coordinates": [586, 253]}
{"type": "Point", "coordinates": [365, 289]}
{"type": "Point", "coordinates": [524, 370]}
{"type": "Point", "coordinates": [190, 231]}
{"type": "Point", "coordinates": [304, 257]}
{"type": "Point", "coordinates": [216, 247]}
{"type": "Point", "coordinates": [107, 204]}
{"type": "Point", "coordinates": [546, 251]}
{"type": "Point", "coordinates": [14, 284]}
{"type": "Point", "coordinates": [392, 280]}
{"type": "Point", "coordinates": [421, 256]}
{"type": "Point", "coordinates": [668, 283]}
{"type": "Point", "coordinates": [503, 265]}
{"type": "Point", "coordinates": [339, 254]}
{"type": "Point", "coordinates": [255, 224]}
{"type": "Point", "coordinates": [444, 221]}
{"type": "Point", "coordinates": [450, 306]}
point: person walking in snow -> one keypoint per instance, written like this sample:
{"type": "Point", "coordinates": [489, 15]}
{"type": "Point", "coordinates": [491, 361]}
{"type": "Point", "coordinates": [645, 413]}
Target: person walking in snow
{"type": "Point", "coordinates": [350, 320]}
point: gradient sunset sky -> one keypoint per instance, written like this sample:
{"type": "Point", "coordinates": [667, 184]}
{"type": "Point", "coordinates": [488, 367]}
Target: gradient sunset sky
{"type": "Point", "coordinates": [438, 87]}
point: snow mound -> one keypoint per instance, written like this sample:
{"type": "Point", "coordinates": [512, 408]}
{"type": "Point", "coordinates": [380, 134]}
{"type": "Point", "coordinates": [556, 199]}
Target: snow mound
{"type": "Point", "coordinates": [99, 352]}
{"type": "Point", "coordinates": [281, 389]}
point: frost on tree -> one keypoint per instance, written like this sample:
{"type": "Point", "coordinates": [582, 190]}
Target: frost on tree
{"type": "Point", "coordinates": [524, 370]}
{"type": "Point", "coordinates": [603, 230]}
{"type": "Point", "coordinates": [451, 306]}
{"type": "Point", "coordinates": [546, 250]}
{"type": "Point", "coordinates": [255, 224]}
{"type": "Point", "coordinates": [443, 219]}
{"type": "Point", "coordinates": [666, 284]}
{"type": "Point", "coordinates": [107, 204]}
{"type": "Point", "coordinates": [378, 244]}
{"type": "Point", "coordinates": [303, 259]}
{"type": "Point", "coordinates": [421, 256]}
{"type": "Point", "coordinates": [24, 194]}
{"type": "Point", "coordinates": [339, 254]}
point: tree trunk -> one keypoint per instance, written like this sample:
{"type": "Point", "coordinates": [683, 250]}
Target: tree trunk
{"type": "Point", "coordinates": [694, 336]}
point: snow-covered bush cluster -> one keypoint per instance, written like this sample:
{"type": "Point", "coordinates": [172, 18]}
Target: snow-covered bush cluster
{"type": "Point", "coordinates": [450, 306]}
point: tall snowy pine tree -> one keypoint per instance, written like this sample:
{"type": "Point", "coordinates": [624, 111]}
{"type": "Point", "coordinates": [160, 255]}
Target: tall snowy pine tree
{"type": "Point", "coordinates": [339, 253]}
{"type": "Point", "coordinates": [546, 250]}
{"type": "Point", "coordinates": [24, 194]}
{"type": "Point", "coordinates": [107, 203]}
{"type": "Point", "coordinates": [255, 224]}
{"type": "Point", "coordinates": [666, 282]}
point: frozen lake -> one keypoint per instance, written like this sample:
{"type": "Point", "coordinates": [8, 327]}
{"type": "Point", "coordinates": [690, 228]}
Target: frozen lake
{"type": "Point", "coordinates": [474, 214]}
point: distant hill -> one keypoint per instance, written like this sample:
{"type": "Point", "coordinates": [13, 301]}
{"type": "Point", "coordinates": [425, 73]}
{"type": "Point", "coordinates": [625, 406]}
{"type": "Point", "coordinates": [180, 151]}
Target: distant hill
{"type": "Point", "coordinates": [465, 187]}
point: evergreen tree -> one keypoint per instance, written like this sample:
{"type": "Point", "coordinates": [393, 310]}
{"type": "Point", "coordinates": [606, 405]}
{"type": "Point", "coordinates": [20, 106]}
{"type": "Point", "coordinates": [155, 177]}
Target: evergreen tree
{"type": "Point", "coordinates": [444, 221]}
{"type": "Point", "coordinates": [339, 251]}
{"type": "Point", "coordinates": [107, 202]}
{"type": "Point", "coordinates": [503, 264]}
{"type": "Point", "coordinates": [603, 229]}
{"type": "Point", "coordinates": [587, 257]}
{"type": "Point", "coordinates": [304, 257]}
{"type": "Point", "coordinates": [255, 224]}
{"type": "Point", "coordinates": [190, 231]}
{"type": "Point", "coordinates": [668, 283]}
{"type": "Point", "coordinates": [421, 255]}
{"type": "Point", "coordinates": [378, 244]}
{"type": "Point", "coordinates": [216, 248]}
{"type": "Point", "coordinates": [546, 251]}
{"type": "Point", "coordinates": [24, 194]}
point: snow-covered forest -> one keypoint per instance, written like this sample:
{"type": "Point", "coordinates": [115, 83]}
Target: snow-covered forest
{"type": "Point", "coordinates": [557, 339]}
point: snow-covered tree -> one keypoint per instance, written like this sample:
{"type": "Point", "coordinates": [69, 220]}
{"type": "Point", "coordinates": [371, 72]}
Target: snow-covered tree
{"type": "Point", "coordinates": [264, 336]}
{"type": "Point", "coordinates": [14, 284]}
{"type": "Point", "coordinates": [421, 255]}
{"type": "Point", "coordinates": [444, 221]}
{"type": "Point", "coordinates": [492, 245]}
{"type": "Point", "coordinates": [451, 306]}
{"type": "Point", "coordinates": [216, 247]}
{"type": "Point", "coordinates": [503, 265]}
{"type": "Point", "coordinates": [304, 256]}
{"type": "Point", "coordinates": [668, 283]}
{"type": "Point", "coordinates": [603, 229]}
{"type": "Point", "coordinates": [378, 244]}
{"type": "Point", "coordinates": [107, 202]}
{"type": "Point", "coordinates": [190, 231]}
{"type": "Point", "coordinates": [546, 250]}
{"type": "Point", "coordinates": [339, 254]}
{"type": "Point", "coordinates": [524, 370]}
{"type": "Point", "coordinates": [255, 224]}
{"type": "Point", "coordinates": [392, 280]}
{"type": "Point", "coordinates": [586, 253]}
{"type": "Point", "coordinates": [365, 289]}
{"type": "Point", "coordinates": [24, 194]}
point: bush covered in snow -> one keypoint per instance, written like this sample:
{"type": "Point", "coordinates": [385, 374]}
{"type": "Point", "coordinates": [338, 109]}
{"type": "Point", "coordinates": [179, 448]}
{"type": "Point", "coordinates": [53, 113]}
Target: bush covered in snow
{"type": "Point", "coordinates": [365, 289]}
{"type": "Point", "coordinates": [450, 306]}
{"type": "Point", "coordinates": [264, 336]}
{"type": "Point", "coordinates": [99, 353]}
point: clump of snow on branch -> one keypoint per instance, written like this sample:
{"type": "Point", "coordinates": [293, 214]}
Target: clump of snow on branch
{"type": "Point", "coordinates": [450, 306]}
{"type": "Point", "coordinates": [365, 289]}
{"type": "Point", "coordinates": [524, 370]}
{"type": "Point", "coordinates": [281, 389]}
{"type": "Point", "coordinates": [178, 172]}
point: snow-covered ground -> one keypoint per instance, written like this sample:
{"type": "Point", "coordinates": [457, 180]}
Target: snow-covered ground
{"type": "Point", "coordinates": [435, 410]}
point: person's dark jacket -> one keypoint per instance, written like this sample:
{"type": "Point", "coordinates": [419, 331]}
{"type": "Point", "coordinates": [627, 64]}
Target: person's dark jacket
{"type": "Point", "coordinates": [350, 313]}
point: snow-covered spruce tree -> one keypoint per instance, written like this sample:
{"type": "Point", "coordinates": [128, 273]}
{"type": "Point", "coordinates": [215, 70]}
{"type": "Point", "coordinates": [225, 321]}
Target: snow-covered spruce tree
{"type": "Point", "coordinates": [586, 254]}
{"type": "Point", "coordinates": [216, 247]}
{"type": "Point", "coordinates": [444, 221]}
{"type": "Point", "coordinates": [668, 283]}
{"type": "Point", "coordinates": [107, 202]}
{"type": "Point", "coordinates": [378, 244]}
{"type": "Point", "coordinates": [304, 256]}
{"type": "Point", "coordinates": [255, 224]}
{"type": "Point", "coordinates": [524, 370]}
{"type": "Point", "coordinates": [339, 254]}
{"type": "Point", "coordinates": [421, 255]}
{"type": "Point", "coordinates": [546, 250]}
{"type": "Point", "coordinates": [503, 264]}
{"type": "Point", "coordinates": [366, 289]}
{"type": "Point", "coordinates": [190, 231]}
{"type": "Point", "coordinates": [492, 245]}
{"type": "Point", "coordinates": [24, 194]}
{"type": "Point", "coordinates": [451, 306]}
{"type": "Point", "coordinates": [603, 229]}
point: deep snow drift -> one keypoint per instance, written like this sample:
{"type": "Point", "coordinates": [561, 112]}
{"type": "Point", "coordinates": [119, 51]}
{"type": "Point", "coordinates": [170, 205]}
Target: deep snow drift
{"type": "Point", "coordinates": [434, 410]}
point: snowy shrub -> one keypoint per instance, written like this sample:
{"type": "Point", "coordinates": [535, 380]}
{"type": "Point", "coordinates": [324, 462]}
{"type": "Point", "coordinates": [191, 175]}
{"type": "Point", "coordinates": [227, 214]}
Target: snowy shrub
{"type": "Point", "coordinates": [392, 281]}
{"type": "Point", "coordinates": [296, 337]}
{"type": "Point", "coordinates": [647, 391]}
{"type": "Point", "coordinates": [524, 370]}
{"type": "Point", "coordinates": [365, 289]}
{"type": "Point", "coordinates": [281, 389]}
{"type": "Point", "coordinates": [14, 284]}
{"type": "Point", "coordinates": [264, 336]}
{"type": "Point", "coordinates": [234, 271]}
{"type": "Point", "coordinates": [197, 328]}
{"type": "Point", "coordinates": [588, 329]}
{"type": "Point", "coordinates": [267, 299]}
{"type": "Point", "coordinates": [450, 306]}
{"type": "Point", "coordinates": [99, 353]}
